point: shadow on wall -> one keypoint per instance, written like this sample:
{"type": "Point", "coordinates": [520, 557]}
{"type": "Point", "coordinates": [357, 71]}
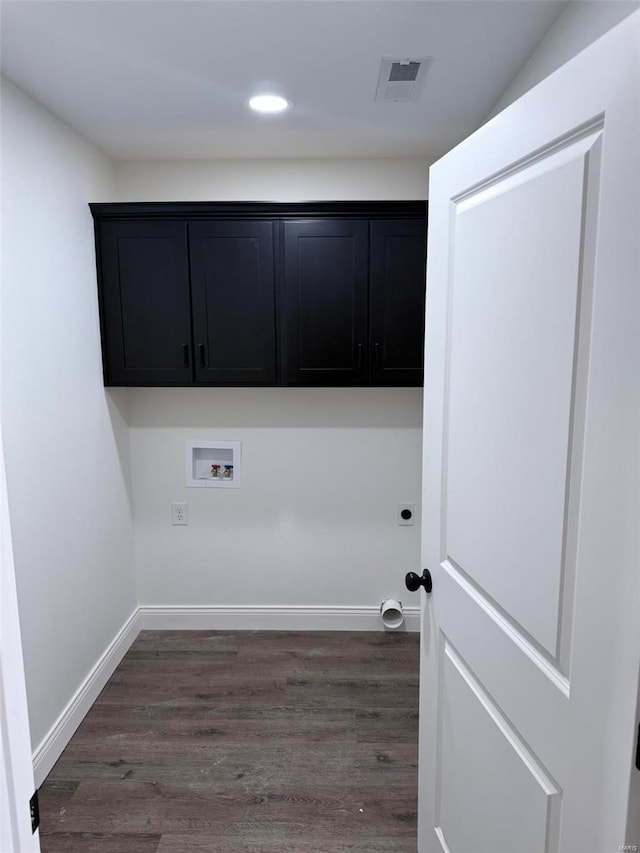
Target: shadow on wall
{"type": "Point", "coordinates": [314, 408]}
{"type": "Point", "coordinates": [117, 407]}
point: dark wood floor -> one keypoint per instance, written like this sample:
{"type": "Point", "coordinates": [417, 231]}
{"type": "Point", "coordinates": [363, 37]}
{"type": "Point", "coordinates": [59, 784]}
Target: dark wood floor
{"type": "Point", "coordinates": [262, 742]}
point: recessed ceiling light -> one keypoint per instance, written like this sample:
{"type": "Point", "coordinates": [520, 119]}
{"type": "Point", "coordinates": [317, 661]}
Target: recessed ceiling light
{"type": "Point", "coordinates": [269, 103]}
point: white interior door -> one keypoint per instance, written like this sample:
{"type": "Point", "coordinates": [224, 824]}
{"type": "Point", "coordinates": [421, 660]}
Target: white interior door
{"type": "Point", "coordinates": [530, 640]}
{"type": "Point", "coordinates": [16, 768]}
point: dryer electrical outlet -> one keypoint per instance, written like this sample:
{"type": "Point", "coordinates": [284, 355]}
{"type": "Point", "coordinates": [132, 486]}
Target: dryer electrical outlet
{"type": "Point", "coordinates": [406, 513]}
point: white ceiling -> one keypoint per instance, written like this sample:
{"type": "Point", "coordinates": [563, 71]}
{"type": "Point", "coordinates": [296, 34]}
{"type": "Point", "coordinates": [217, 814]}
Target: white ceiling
{"type": "Point", "coordinates": [168, 80]}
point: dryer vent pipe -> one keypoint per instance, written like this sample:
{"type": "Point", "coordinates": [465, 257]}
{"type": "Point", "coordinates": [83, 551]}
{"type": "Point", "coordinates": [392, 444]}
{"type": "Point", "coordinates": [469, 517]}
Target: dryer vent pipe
{"type": "Point", "coordinates": [391, 614]}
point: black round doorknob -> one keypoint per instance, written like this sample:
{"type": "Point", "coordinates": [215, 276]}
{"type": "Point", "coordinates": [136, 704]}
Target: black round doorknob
{"type": "Point", "coordinates": [414, 581]}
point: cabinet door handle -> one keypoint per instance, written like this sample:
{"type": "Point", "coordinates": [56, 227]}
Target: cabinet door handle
{"type": "Point", "coordinates": [376, 354]}
{"type": "Point", "coordinates": [359, 356]}
{"type": "Point", "coordinates": [185, 354]}
{"type": "Point", "coordinates": [202, 355]}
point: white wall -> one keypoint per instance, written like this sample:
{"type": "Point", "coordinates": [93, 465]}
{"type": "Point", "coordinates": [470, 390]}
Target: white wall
{"type": "Point", "coordinates": [272, 180]}
{"type": "Point", "coordinates": [65, 439]}
{"type": "Point", "coordinates": [315, 519]}
{"type": "Point", "coordinates": [578, 26]}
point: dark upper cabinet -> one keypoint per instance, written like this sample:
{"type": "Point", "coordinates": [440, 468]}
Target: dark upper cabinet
{"type": "Point", "coordinates": [397, 302]}
{"type": "Point", "coordinates": [352, 300]}
{"type": "Point", "coordinates": [324, 302]}
{"type": "Point", "coordinates": [317, 293]}
{"type": "Point", "coordinates": [233, 302]}
{"type": "Point", "coordinates": [146, 322]}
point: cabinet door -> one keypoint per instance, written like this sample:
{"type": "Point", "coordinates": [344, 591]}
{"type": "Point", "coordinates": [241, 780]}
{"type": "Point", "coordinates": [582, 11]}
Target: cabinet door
{"type": "Point", "coordinates": [324, 295]}
{"type": "Point", "coordinates": [397, 297]}
{"type": "Point", "coordinates": [146, 322]}
{"type": "Point", "coordinates": [232, 288]}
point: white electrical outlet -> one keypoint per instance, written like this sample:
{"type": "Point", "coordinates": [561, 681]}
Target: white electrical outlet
{"type": "Point", "coordinates": [405, 514]}
{"type": "Point", "coordinates": [179, 514]}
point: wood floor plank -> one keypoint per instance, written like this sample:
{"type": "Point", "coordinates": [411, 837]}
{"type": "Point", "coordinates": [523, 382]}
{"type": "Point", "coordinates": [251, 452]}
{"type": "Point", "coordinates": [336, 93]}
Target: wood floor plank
{"type": "Point", "coordinates": [174, 642]}
{"type": "Point", "coordinates": [90, 842]}
{"type": "Point", "coordinates": [188, 685]}
{"type": "Point", "coordinates": [224, 723]}
{"type": "Point", "coordinates": [53, 798]}
{"type": "Point", "coordinates": [149, 807]}
{"type": "Point", "coordinates": [338, 691]}
{"type": "Point", "coordinates": [387, 725]}
{"type": "Point", "coordinates": [199, 843]}
{"type": "Point", "coordinates": [244, 741]}
{"type": "Point", "coordinates": [362, 764]}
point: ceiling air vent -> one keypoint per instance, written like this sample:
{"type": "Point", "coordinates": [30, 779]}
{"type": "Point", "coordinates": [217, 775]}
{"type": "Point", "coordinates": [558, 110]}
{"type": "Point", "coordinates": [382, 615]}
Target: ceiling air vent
{"type": "Point", "coordinates": [402, 79]}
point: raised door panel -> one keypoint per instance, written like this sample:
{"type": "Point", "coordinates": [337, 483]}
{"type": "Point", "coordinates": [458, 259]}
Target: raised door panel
{"type": "Point", "coordinates": [232, 281]}
{"type": "Point", "coordinates": [484, 763]}
{"type": "Point", "coordinates": [397, 295]}
{"type": "Point", "coordinates": [146, 325]}
{"type": "Point", "coordinates": [324, 296]}
{"type": "Point", "coordinates": [514, 321]}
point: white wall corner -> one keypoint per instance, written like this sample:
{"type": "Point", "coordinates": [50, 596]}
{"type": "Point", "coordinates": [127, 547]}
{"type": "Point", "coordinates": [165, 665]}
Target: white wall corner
{"type": "Point", "coordinates": [56, 739]}
{"type": "Point", "coordinates": [576, 27]}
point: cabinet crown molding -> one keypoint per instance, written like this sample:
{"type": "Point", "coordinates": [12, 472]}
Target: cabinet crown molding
{"type": "Point", "coordinates": [259, 209]}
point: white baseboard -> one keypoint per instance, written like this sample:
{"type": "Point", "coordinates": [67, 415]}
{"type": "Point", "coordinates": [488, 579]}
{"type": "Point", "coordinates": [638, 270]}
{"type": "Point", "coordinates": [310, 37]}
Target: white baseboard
{"type": "Point", "coordinates": [52, 745]}
{"type": "Point", "coordinates": [193, 618]}
{"type": "Point", "coordinates": [269, 618]}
